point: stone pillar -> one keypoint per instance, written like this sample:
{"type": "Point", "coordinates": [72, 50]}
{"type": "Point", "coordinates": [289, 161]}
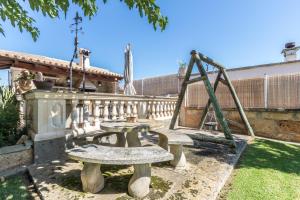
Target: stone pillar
{"type": "Point", "coordinates": [139, 183]}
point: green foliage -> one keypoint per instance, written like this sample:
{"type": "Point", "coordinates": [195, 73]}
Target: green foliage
{"type": "Point", "coordinates": [9, 117]}
{"type": "Point", "coordinates": [15, 13]}
{"type": "Point", "coordinates": [268, 170]}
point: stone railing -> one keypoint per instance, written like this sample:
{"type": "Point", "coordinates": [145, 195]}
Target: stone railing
{"type": "Point", "coordinates": [49, 114]}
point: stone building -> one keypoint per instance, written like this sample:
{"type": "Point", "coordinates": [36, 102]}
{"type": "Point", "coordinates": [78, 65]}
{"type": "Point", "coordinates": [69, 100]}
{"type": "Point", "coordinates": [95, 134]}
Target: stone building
{"type": "Point", "coordinates": [97, 79]}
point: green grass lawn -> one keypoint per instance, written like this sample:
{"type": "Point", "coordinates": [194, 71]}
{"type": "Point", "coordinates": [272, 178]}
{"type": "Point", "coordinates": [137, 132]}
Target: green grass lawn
{"type": "Point", "coordinates": [267, 170]}
{"type": "Point", "coordinates": [13, 188]}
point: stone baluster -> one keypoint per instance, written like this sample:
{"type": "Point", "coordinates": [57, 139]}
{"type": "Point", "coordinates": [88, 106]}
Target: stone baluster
{"type": "Point", "coordinates": [86, 113]}
{"type": "Point", "coordinates": [166, 109]}
{"type": "Point", "coordinates": [80, 113]}
{"type": "Point", "coordinates": [149, 112]}
{"type": "Point", "coordinates": [121, 110]}
{"type": "Point", "coordinates": [162, 110]}
{"type": "Point", "coordinates": [128, 109]}
{"type": "Point", "coordinates": [153, 111]}
{"type": "Point", "coordinates": [169, 108]}
{"type": "Point", "coordinates": [97, 104]}
{"type": "Point", "coordinates": [114, 110]}
{"type": "Point", "coordinates": [157, 113]}
{"type": "Point", "coordinates": [173, 106]}
{"type": "Point", "coordinates": [105, 111]}
{"type": "Point", "coordinates": [134, 109]}
{"type": "Point", "coordinates": [74, 114]}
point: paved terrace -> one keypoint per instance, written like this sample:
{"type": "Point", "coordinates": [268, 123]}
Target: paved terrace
{"type": "Point", "coordinates": [209, 166]}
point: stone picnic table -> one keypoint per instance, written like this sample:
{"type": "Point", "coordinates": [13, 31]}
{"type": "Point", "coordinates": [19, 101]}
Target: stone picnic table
{"type": "Point", "coordinates": [128, 131]}
{"type": "Point", "coordinates": [93, 156]}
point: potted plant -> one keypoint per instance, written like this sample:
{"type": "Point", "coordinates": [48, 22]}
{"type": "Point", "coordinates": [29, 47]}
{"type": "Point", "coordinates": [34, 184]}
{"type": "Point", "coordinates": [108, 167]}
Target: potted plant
{"type": "Point", "coordinates": [42, 84]}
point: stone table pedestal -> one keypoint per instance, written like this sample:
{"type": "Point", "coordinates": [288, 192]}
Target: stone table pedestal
{"type": "Point", "coordinates": [140, 181]}
{"type": "Point", "coordinates": [91, 178]}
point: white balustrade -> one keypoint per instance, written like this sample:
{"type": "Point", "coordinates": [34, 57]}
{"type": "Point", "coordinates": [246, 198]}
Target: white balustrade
{"type": "Point", "coordinates": [105, 107]}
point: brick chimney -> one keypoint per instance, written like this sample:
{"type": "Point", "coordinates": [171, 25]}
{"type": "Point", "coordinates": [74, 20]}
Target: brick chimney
{"type": "Point", "coordinates": [84, 56]}
{"type": "Point", "coordinates": [290, 51]}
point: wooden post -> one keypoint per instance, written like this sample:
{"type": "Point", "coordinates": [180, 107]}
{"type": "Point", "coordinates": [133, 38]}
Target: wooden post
{"type": "Point", "coordinates": [181, 94]}
{"type": "Point", "coordinates": [212, 97]}
{"type": "Point", "coordinates": [237, 103]}
{"type": "Point", "coordinates": [205, 111]}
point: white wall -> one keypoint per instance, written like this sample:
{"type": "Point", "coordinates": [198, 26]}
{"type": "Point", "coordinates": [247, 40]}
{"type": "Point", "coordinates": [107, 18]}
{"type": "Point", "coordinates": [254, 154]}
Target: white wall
{"type": "Point", "coordinates": [261, 70]}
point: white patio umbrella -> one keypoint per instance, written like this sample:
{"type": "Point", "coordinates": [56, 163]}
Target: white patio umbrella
{"type": "Point", "coordinates": [128, 72]}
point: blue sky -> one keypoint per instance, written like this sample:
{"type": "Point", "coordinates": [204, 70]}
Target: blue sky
{"type": "Point", "coordinates": [234, 32]}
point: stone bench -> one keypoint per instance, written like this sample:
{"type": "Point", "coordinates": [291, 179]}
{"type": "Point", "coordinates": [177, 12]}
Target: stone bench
{"type": "Point", "coordinates": [140, 157]}
{"type": "Point", "coordinates": [176, 141]}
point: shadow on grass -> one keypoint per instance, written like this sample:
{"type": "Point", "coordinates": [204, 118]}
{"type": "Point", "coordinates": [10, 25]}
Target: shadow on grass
{"type": "Point", "coordinates": [14, 188]}
{"type": "Point", "coordinates": [273, 155]}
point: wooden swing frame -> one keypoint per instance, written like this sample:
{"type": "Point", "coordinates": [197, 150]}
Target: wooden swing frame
{"type": "Point", "coordinates": [197, 58]}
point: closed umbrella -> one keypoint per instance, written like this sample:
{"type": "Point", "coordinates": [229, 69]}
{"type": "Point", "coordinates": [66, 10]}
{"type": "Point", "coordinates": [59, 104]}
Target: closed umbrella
{"type": "Point", "coordinates": [128, 72]}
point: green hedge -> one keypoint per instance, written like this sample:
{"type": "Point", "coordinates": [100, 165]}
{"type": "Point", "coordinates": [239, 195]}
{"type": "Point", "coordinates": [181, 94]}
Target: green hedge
{"type": "Point", "coordinates": [9, 117]}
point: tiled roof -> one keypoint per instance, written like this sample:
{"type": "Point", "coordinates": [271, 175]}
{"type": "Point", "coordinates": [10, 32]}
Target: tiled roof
{"type": "Point", "coordinates": [43, 60]}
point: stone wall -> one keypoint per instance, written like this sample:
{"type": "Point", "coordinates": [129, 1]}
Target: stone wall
{"type": "Point", "coordinates": [14, 156]}
{"type": "Point", "coordinates": [270, 123]}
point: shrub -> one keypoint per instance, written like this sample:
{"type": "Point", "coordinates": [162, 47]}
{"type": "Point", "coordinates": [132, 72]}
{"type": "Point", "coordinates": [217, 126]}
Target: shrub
{"type": "Point", "coordinates": [9, 117]}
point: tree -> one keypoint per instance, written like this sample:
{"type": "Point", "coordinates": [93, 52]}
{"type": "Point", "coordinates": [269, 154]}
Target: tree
{"type": "Point", "coordinates": [14, 12]}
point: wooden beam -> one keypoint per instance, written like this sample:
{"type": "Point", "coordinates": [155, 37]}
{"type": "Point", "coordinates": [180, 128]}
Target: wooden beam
{"type": "Point", "coordinates": [223, 81]}
{"type": "Point", "coordinates": [182, 93]}
{"type": "Point", "coordinates": [194, 80]}
{"type": "Point", "coordinates": [210, 61]}
{"type": "Point", "coordinates": [206, 108]}
{"type": "Point", "coordinates": [213, 98]}
{"type": "Point", "coordinates": [238, 103]}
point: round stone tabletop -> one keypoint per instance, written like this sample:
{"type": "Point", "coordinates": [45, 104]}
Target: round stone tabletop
{"type": "Point", "coordinates": [123, 126]}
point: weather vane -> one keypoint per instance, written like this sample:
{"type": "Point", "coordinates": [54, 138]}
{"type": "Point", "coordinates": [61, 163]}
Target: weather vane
{"type": "Point", "coordinates": [75, 27]}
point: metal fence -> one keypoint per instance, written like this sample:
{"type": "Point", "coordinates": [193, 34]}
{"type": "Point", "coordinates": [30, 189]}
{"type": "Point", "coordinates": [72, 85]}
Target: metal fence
{"type": "Point", "coordinates": [282, 91]}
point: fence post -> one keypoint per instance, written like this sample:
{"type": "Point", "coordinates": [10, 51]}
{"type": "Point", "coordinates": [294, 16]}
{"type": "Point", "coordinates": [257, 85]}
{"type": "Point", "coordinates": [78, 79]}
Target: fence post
{"type": "Point", "coordinates": [142, 86]}
{"type": "Point", "coordinates": [266, 91]}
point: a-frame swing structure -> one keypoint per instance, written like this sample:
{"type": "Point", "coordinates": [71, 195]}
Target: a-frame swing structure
{"type": "Point", "coordinates": [198, 58]}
